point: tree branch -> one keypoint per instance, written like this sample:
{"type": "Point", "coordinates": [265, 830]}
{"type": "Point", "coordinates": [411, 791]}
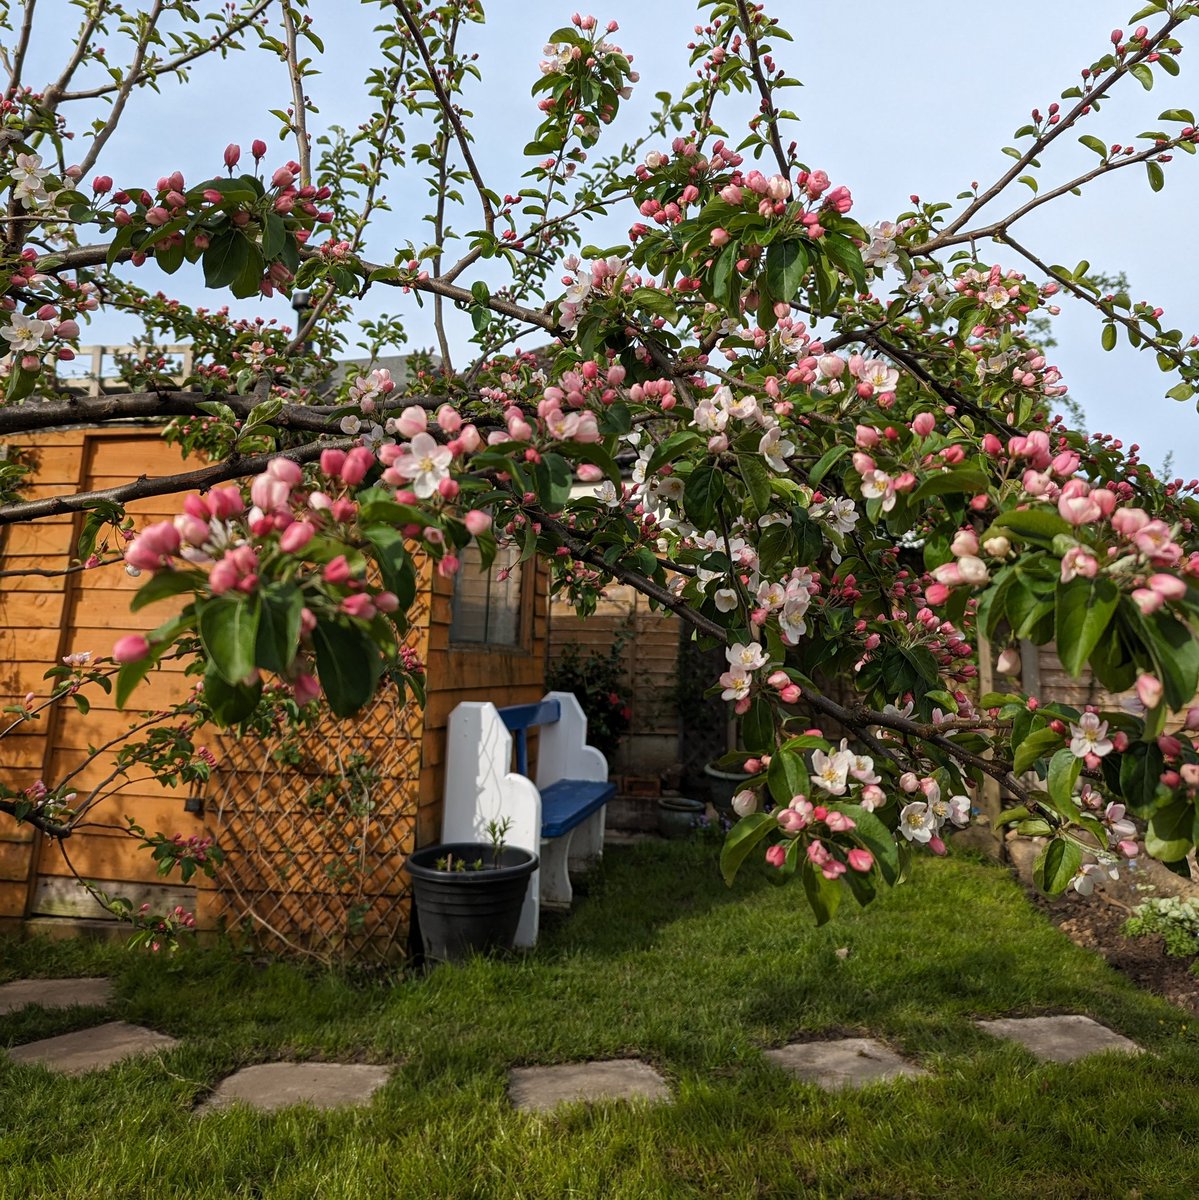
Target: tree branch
{"type": "Point", "coordinates": [1079, 110]}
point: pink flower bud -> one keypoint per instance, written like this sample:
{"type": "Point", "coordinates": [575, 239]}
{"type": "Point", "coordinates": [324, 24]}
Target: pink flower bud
{"type": "Point", "coordinates": [923, 424]}
{"type": "Point", "coordinates": [232, 154]}
{"type": "Point", "coordinates": [337, 570]}
{"type": "Point", "coordinates": [1149, 690]}
{"type": "Point", "coordinates": [305, 688]}
{"type": "Point", "coordinates": [358, 462]}
{"type": "Point", "coordinates": [296, 536]}
{"type": "Point", "coordinates": [332, 461]}
{"type": "Point", "coordinates": [258, 148]}
{"type": "Point", "coordinates": [861, 860]}
{"type": "Point", "coordinates": [776, 856]}
{"type": "Point", "coordinates": [131, 648]}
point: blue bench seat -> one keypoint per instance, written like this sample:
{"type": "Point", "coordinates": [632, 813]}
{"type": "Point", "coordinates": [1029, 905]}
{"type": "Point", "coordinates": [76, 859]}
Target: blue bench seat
{"type": "Point", "coordinates": [569, 802]}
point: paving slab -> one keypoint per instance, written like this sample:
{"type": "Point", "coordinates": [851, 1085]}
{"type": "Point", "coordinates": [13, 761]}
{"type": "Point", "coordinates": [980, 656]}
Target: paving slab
{"type": "Point", "coordinates": [271, 1086]}
{"type": "Point", "coordinates": [54, 993]}
{"type": "Point", "coordinates": [846, 1063]}
{"type": "Point", "coordinates": [540, 1089]}
{"type": "Point", "coordinates": [1061, 1039]}
{"type": "Point", "coordinates": [92, 1049]}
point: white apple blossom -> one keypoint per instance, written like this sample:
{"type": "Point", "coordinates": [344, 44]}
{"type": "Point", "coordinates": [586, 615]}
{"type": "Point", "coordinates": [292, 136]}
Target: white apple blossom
{"type": "Point", "coordinates": [917, 822]}
{"type": "Point", "coordinates": [830, 771]}
{"type": "Point", "coordinates": [425, 463]}
{"type": "Point", "coordinates": [25, 334]}
{"type": "Point", "coordinates": [1089, 736]}
{"type": "Point", "coordinates": [775, 449]}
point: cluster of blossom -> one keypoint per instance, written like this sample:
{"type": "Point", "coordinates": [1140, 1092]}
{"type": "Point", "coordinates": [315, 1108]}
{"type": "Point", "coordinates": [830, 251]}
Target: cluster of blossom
{"type": "Point", "coordinates": [604, 274]}
{"type": "Point", "coordinates": [27, 334]}
{"type": "Point", "coordinates": [158, 932]}
{"type": "Point", "coordinates": [801, 819]}
{"type": "Point", "coordinates": [32, 183]}
{"type": "Point", "coordinates": [922, 820]}
{"type": "Point", "coordinates": [237, 543]}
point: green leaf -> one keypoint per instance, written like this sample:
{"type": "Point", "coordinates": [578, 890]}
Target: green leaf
{"type": "Point", "coordinates": [757, 726]}
{"type": "Point", "coordinates": [1057, 865]}
{"type": "Point", "coordinates": [131, 674]}
{"type": "Point", "coordinates": [1142, 73]}
{"type": "Point", "coordinates": [230, 702]}
{"type": "Point", "coordinates": [348, 664]}
{"type": "Point", "coordinates": [162, 586]}
{"type": "Point", "coordinates": [1019, 813]}
{"type": "Point", "coordinates": [826, 461]}
{"type": "Point", "coordinates": [787, 776]}
{"type": "Point", "coordinates": [786, 265]}
{"type": "Point", "coordinates": [1169, 834]}
{"type": "Point", "coordinates": [1037, 524]}
{"type": "Point", "coordinates": [1157, 177]}
{"type": "Point", "coordinates": [1176, 656]}
{"type": "Point", "coordinates": [279, 627]}
{"type": "Point", "coordinates": [1035, 746]}
{"type": "Point", "coordinates": [959, 479]}
{"type": "Point", "coordinates": [875, 837]}
{"type": "Point", "coordinates": [395, 563]}
{"type": "Point", "coordinates": [841, 251]}
{"type": "Point", "coordinates": [824, 895]}
{"type": "Point", "coordinates": [1064, 768]}
{"type": "Point", "coordinates": [1093, 143]}
{"type": "Point", "coordinates": [228, 627]}
{"type": "Point", "coordinates": [1084, 608]}
{"type": "Point", "coordinates": [225, 259]}
{"type": "Point", "coordinates": [757, 480]}
{"type": "Point", "coordinates": [702, 495]}
{"type": "Point", "coordinates": [673, 447]}
{"type": "Point", "coordinates": [742, 838]}
{"type": "Point", "coordinates": [1108, 337]}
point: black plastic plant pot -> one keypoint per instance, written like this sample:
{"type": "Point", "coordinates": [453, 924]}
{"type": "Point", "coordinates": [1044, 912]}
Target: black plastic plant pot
{"type": "Point", "coordinates": [467, 912]}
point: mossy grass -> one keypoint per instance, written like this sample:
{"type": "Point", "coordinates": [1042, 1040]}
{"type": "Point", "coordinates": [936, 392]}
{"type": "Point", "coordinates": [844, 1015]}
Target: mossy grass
{"type": "Point", "coordinates": [658, 961]}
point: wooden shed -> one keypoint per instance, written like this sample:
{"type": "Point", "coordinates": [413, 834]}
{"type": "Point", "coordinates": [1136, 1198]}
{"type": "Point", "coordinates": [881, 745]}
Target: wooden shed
{"type": "Point", "coordinates": [315, 835]}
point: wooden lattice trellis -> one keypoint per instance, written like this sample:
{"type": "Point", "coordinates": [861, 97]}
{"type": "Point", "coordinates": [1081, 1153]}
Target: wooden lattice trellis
{"type": "Point", "coordinates": [315, 824]}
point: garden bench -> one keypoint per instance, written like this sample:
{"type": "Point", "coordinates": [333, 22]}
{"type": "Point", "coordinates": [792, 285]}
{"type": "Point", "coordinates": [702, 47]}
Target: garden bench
{"type": "Point", "coordinates": [559, 815]}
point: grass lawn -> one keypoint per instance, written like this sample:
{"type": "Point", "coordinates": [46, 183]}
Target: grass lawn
{"type": "Point", "coordinates": [660, 961]}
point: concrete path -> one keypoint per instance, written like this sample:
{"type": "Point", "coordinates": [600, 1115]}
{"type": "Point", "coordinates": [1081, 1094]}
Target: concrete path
{"type": "Point", "coordinates": [540, 1089]}
{"type": "Point", "coordinates": [54, 993]}
{"type": "Point", "coordinates": [832, 1065]}
{"type": "Point", "coordinates": [271, 1086]}
{"type": "Point", "coordinates": [1061, 1039]}
{"type": "Point", "coordinates": [848, 1063]}
{"type": "Point", "coordinates": [92, 1049]}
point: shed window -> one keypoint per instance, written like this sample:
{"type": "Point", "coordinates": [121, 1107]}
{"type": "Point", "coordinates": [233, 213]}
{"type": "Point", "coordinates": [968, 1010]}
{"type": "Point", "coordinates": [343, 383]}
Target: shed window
{"type": "Point", "coordinates": [486, 609]}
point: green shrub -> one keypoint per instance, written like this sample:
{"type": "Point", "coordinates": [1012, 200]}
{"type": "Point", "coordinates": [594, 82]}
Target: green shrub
{"type": "Point", "coordinates": [1177, 921]}
{"type": "Point", "coordinates": [598, 682]}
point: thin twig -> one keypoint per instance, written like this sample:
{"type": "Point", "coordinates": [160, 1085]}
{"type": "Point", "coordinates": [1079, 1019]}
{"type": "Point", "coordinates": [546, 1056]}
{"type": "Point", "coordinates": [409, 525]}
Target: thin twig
{"type": "Point", "coordinates": [299, 122]}
{"type": "Point", "coordinates": [127, 85]}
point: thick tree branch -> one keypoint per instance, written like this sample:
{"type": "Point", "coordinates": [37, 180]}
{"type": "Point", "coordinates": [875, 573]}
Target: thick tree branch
{"type": "Point", "coordinates": [165, 485]}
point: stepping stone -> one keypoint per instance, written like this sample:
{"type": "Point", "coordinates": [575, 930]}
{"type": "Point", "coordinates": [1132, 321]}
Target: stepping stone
{"type": "Point", "coordinates": [92, 1049]}
{"type": "Point", "coordinates": [540, 1089]}
{"type": "Point", "coordinates": [1059, 1039]}
{"type": "Point", "coordinates": [848, 1063]}
{"type": "Point", "coordinates": [270, 1086]}
{"type": "Point", "coordinates": [54, 993]}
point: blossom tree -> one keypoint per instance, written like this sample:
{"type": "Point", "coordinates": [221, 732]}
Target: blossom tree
{"type": "Point", "coordinates": [831, 448]}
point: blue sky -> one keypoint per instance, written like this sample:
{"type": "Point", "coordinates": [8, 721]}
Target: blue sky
{"type": "Point", "coordinates": [898, 99]}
